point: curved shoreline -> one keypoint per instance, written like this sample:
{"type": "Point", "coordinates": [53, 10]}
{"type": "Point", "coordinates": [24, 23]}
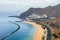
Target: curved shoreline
{"type": "Point", "coordinates": [39, 31]}
{"type": "Point", "coordinates": [48, 35]}
{"type": "Point", "coordinates": [11, 32]}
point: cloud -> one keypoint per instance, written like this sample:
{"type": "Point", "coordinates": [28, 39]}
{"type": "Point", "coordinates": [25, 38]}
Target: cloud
{"type": "Point", "coordinates": [30, 2]}
{"type": "Point", "coordinates": [25, 4]}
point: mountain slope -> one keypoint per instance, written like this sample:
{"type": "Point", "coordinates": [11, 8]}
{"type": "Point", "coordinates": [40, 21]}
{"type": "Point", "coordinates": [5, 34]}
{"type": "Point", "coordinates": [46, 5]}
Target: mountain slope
{"type": "Point", "coordinates": [50, 11]}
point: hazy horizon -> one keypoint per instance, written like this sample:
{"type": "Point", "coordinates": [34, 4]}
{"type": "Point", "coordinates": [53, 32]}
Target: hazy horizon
{"type": "Point", "coordinates": [19, 6]}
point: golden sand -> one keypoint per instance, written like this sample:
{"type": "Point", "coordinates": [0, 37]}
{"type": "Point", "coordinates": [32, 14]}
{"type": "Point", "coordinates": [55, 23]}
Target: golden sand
{"type": "Point", "coordinates": [39, 32]}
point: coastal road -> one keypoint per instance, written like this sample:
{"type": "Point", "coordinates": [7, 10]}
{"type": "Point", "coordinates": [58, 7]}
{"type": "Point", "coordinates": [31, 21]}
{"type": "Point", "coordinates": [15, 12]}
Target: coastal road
{"type": "Point", "coordinates": [37, 37]}
{"type": "Point", "coordinates": [11, 32]}
{"type": "Point", "coordinates": [49, 33]}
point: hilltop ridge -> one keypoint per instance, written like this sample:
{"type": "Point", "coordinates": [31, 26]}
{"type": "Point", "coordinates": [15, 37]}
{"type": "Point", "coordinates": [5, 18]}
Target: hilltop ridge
{"type": "Point", "coordinates": [52, 11]}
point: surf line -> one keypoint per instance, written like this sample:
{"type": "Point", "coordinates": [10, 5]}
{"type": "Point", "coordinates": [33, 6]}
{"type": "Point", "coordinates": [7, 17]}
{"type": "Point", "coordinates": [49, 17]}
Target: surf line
{"type": "Point", "coordinates": [11, 32]}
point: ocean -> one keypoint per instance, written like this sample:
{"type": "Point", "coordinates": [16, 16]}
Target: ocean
{"type": "Point", "coordinates": [26, 31]}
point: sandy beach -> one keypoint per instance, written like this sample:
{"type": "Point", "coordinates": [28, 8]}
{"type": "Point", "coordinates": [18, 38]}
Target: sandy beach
{"type": "Point", "coordinates": [39, 31]}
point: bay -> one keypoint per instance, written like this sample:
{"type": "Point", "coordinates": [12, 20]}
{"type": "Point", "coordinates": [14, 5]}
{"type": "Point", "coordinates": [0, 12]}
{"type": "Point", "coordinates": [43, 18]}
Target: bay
{"type": "Point", "coordinates": [26, 31]}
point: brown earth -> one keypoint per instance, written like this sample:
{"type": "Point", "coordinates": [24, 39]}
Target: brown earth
{"type": "Point", "coordinates": [55, 25]}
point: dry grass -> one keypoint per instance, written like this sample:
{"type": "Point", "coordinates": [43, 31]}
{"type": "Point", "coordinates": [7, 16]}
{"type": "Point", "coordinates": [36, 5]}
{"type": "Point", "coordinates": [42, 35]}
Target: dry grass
{"type": "Point", "coordinates": [55, 25]}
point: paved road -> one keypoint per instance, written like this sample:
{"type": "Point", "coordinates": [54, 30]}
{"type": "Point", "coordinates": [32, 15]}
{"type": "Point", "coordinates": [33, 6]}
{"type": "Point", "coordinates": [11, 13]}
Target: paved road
{"type": "Point", "coordinates": [11, 32]}
{"type": "Point", "coordinates": [49, 33]}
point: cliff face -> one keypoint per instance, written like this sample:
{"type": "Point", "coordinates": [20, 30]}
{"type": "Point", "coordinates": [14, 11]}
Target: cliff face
{"type": "Point", "coordinates": [50, 11]}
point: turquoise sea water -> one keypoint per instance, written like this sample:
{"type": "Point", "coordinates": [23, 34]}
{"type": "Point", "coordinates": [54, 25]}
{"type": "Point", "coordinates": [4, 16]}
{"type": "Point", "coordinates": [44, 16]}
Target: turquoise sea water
{"type": "Point", "coordinates": [26, 31]}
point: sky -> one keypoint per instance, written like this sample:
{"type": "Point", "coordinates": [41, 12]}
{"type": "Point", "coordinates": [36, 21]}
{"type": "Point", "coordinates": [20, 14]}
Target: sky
{"type": "Point", "coordinates": [23, 5]}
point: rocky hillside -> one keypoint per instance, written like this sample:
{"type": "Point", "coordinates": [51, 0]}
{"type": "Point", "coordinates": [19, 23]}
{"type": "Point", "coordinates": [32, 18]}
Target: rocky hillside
{"type": "Point", "coordinates": [50, 11]}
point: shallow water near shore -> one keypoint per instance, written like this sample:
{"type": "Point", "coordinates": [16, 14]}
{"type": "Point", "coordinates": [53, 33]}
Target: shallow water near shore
{"type": "Point", "coordinates": [26, 31]}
